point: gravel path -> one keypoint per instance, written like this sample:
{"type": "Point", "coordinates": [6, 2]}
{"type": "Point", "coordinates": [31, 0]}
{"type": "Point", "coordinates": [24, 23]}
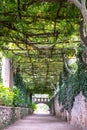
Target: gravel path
{"type": "Point", "coordinates": [41, 122]}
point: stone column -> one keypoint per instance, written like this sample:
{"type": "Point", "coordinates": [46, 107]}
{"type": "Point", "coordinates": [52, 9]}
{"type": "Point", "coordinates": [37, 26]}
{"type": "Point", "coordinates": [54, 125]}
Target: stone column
{"type": "Point", "coordinates": [7, 73]}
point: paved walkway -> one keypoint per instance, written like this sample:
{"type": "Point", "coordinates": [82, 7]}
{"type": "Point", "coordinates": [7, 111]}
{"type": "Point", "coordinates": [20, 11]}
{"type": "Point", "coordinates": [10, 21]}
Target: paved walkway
{"type": "Point", "coordinates": [41, 122]}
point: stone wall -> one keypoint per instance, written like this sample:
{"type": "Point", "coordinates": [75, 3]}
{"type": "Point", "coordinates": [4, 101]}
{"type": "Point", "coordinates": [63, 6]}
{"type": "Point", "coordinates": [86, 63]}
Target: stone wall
{"type": "Point", "coordinates": [79, 111]}
{"type": "Point", "coordinates": [9, 115]}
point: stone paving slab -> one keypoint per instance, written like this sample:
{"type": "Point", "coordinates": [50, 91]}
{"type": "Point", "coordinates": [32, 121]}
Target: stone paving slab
{"type": "Point", "coordinates": [41, 122]}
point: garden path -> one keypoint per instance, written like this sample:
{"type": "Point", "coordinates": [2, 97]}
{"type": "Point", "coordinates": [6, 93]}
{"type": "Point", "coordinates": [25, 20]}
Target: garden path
{"type": "Point", "coordinates": [41, 122]}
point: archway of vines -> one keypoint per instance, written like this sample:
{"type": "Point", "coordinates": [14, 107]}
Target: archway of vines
{"type": "Point", "coordinates": [39, 36]}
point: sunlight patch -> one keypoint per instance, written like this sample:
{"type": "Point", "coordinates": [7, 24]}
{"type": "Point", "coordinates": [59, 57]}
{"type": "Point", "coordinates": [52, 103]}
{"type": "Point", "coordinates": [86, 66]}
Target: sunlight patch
{"type": "Point", "coordinates": [42, 109]}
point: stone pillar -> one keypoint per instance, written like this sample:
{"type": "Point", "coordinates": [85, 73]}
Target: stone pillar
{"type": "Point", "coordinates": [7, 73]}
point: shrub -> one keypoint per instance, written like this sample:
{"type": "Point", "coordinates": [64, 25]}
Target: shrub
{"type": "Point", "coordinates": [18, 99]}
{"type": "Point", "coordinates": [6, 96]}
{"type": "Point", "coordinates": [32, 106]}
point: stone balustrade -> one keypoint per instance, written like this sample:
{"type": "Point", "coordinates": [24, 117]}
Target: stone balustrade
{"type": "Point", "coordinates": [42, 100]}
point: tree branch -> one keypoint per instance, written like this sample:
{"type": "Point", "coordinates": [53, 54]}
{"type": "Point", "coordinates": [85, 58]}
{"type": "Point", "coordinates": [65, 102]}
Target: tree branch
{"type": "Point", "coordinates": [82, 33]}
{"type": "Point", "coordinates": [77, 3]}
{"type": "Point", "coordinates": [82, 7]}
{"type": "Point", "coordinates": [83, 2]}
{"type": "Point", "coordinates": [67, 68]}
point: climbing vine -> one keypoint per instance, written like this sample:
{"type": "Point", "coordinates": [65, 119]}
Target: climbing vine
{"type": "Point", "coordinates": [20, 90]}
{"type": "Point", "coordinates": [72, 83]}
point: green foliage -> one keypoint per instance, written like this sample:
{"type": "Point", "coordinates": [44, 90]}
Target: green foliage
{"type": "Point", "coordinates": [18, 99]}
{"type": "Point", "coordinates": [42, 22]}
{"type": "Point", "coordinates": [22, 90]}
{"type": "Point", "coordinates": [32, 106]}
{"type": "Point", "coordinates": [6, 96]}
{"type": "Point", "coordinates": [64, 93]}
{"type": "Point", "coordinates": [68, 89]}
{"type": "Point", "coordinates": [82, 73]}
{"type": "Point", "coordinates": [9, 97]}
{"type": "Point", "coordinates": [83, 82]}
{"type": "Point", "coordinates": [72, 83]}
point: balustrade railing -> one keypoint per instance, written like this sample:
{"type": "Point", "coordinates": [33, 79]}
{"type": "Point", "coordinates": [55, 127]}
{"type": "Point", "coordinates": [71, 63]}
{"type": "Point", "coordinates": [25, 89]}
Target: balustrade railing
{"type": "Point", "coordinates": [37, 99]}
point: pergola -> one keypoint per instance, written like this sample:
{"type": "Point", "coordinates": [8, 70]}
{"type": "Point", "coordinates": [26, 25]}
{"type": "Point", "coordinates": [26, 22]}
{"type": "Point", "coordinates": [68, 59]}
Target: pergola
{"type": "Point", "coordinates": [38, 35]}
